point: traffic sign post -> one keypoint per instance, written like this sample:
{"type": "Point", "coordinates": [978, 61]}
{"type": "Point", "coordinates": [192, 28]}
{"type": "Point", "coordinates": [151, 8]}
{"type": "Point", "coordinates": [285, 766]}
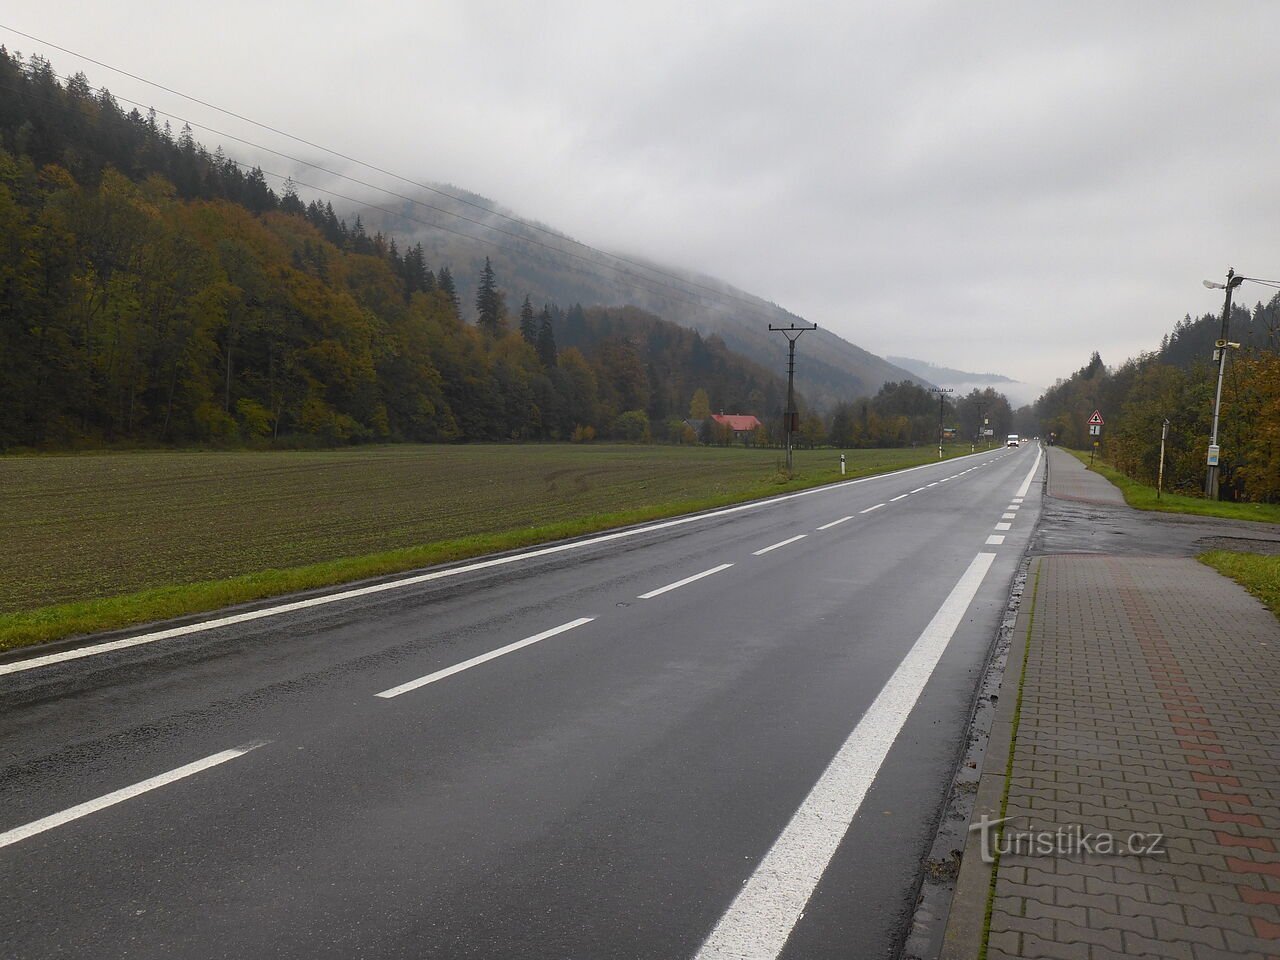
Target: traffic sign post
{"type": "Point", "coordinates": [1095, 430]}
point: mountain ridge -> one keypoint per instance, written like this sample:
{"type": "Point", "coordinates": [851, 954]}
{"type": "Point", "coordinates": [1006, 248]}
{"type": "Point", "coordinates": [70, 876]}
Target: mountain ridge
{"type": "Point", "coordinates": [544, 263]}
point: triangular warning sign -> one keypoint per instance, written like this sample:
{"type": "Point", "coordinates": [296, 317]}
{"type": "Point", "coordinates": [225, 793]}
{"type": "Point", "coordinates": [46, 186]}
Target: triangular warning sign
{"type": "Point", "coordinates": [1096, 419]}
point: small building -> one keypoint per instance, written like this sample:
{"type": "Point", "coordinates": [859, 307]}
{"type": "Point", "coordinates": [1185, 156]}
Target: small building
{"type": "Point", "coordinates": [743, 425]}
{"type": "Point", "coordinates": [724, 428]}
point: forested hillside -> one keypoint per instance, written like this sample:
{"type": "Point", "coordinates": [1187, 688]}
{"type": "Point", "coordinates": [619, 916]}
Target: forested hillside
{"type": "Point", "coordinates": [1177, 382]}
{"type": "Point", "coordinates": [153, 292]}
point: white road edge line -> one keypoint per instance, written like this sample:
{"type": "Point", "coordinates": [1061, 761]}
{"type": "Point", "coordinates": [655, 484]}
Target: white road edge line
{"type": "Point", "coordinates": [483, 658]}
{"type": "Point", "coordinates": [1026, 484]}
{"type": "Point", "coordinates": [19, 666]}
{"type": "Point", "coordinates": [762, 916]}
{"type": "Point", "coordinates": [869, 509]}
{"type": "Point", "coordinates": [775, 546]}
{"type": "Point", "coordinates": [680, 583]}
{"type": "Point", "coordinates": [25, 831]}
{"type": "Point", "coordinates": [834, 523]}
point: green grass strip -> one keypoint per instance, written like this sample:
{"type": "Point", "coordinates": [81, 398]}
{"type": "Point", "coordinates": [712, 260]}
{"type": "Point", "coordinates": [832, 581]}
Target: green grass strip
{"type": "Point", "coordinates": [1008, 769]}
{"type": "Point", "coordinates": [43, 624]}
{"type": "Point", "coordinates": [1258, 574]}
{"type": "Point", "coordinates": [1142, 497]}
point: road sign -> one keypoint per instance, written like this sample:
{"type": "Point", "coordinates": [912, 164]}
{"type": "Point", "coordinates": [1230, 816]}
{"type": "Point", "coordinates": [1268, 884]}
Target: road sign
{"type": "Point", "coordinates": [1096, 419]}
{"type": "Point", "coordinates": [1095, 430]}
{"type": "Point", "coordinates": [1213, 454]}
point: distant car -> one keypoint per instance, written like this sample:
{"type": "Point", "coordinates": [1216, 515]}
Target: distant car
{"type": "Point", "coordinates": [1012, 441]}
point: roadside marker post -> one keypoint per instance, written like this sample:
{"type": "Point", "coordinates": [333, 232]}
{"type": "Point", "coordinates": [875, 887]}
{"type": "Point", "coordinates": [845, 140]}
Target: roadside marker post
{"type": "Point", "coordinates": [842, 464]}
{"type": "Point", "coordinates": [1164, 435]}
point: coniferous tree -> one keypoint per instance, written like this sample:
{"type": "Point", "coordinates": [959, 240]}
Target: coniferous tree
{"type": "Point", "coordinates": [489, 306]}
{"type": "Point", "coordinates": [528, 328]}
{"type": "Point", "coordinates": [546, 340]}
{"type": "Point", "coordinates": [445, 282]}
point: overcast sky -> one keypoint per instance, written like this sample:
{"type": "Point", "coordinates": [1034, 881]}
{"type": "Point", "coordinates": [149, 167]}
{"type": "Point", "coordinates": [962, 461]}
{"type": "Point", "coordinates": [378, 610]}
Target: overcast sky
{"type": "Point", "coordinates": [1002, 187]}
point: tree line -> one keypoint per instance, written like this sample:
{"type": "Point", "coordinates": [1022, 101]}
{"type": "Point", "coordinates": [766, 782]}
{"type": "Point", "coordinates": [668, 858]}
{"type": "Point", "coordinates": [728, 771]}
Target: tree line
{"type": "Point", "coordinates": [153, 292]}
{"type": "Point", "coordinates": [1177, 382]}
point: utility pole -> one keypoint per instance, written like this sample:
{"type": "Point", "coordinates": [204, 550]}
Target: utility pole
{"type": "Point", "coordinates": [1220, 348]}
{"type": "Point", "coordinates": [942, 402]}
{"type": "Point", "coordinates": [791, 418]}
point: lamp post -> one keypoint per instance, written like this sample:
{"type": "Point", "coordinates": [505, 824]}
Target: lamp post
{"type": "Point", "coordinates": [1220, 351]}
{"type": "Point", "coordinates": [942, 402]}
{"type": "Point", "coordinates": [791, 417]}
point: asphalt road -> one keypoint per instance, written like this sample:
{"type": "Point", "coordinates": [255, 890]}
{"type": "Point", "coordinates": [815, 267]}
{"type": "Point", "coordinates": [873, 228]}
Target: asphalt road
{"type": "Point", "coordinates": [671, 774]}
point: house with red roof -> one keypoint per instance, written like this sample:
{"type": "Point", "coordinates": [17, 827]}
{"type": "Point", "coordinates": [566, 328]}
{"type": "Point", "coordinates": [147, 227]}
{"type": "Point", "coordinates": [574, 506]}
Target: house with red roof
{"type": "Point", "coordinates": [719, 426]}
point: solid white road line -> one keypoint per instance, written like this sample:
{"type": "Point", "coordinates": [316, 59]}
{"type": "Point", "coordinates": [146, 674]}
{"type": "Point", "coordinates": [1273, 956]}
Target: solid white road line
{"type": "Point", "coordinates": [762, 916]}
{"type": "Point", "coordinates": [118, 796]}
{"type": "Point", "coordinates": [834, 523]}
{"type": "Point", "coordinates": [1026, 484]}
{"type": "Point", "coordinates": [901, 496]}
{"type": "Point", "coordinates": [680, 583]}
{"type": "Point", "coordinates": [775, 546]}
{"type": "Point", "coordinates": [996, 539]}
{"type": "Point", "coordinates": [869, 509]}
{"type": "Point", "coordinates": [1003, 526]}
{"type": "Point", "coordinates": [91, 650]}
{"type": "Point", "coordinates": [483, 658]}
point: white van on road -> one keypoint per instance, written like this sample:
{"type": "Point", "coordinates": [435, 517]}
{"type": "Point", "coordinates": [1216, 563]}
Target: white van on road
{"type": "Point", "coordinates": [1012, 441]}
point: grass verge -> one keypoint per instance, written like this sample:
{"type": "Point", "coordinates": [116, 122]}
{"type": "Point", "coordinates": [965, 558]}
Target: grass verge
{"type": "Point", "coordinates": [48, 622]}
{"type": "Point", "coordinates": [1142, 497]}
{"type": "Point", "coordinates": [1258, 574]}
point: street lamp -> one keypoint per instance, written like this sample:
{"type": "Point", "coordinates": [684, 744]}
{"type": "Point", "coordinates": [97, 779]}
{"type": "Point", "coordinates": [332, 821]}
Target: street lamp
{"type": "Point", "coordinates": [1220, 354]}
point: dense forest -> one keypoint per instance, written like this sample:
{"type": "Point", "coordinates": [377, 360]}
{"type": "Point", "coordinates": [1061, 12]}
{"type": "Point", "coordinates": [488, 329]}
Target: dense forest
{"type": "Point", "coordinates": [1177, 382]}
{"type": "Point", "coordinates": [153, 292]}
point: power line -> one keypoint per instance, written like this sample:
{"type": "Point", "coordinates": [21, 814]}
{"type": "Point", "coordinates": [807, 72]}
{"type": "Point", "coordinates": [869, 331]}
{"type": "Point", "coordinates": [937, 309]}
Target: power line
{"type": "Point", "coordinates": [660, 288]}
{"type": "Point", "coordinates": [681, 296]}
{"type": "Point", "coordinates": [424, 186]}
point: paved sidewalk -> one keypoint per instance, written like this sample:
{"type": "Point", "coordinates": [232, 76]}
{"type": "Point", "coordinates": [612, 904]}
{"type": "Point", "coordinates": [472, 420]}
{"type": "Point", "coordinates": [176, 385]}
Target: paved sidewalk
{"type": "Point", "coordinates": [1148, 707]}
{"type": "Point", "coordinates": [1070, 480]}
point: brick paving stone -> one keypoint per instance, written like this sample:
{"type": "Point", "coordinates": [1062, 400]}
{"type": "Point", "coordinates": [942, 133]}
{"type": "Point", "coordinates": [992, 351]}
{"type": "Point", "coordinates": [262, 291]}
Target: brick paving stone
{"type": "Point", "coordinates": [1148, 706]}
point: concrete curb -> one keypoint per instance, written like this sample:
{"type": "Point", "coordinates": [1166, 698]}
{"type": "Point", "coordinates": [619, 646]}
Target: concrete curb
{"type": "Point", "coordinates": [964, 935]}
